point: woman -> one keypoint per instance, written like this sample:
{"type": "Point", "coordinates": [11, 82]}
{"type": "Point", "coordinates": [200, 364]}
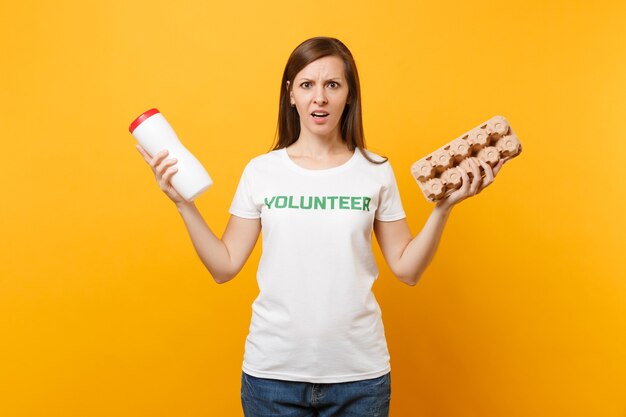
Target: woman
{"type": "Point", "coordinates": [316, 344]}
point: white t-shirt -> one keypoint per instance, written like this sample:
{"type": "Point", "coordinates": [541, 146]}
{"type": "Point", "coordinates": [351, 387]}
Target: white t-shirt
{"type": "Point", "coordinates": [316, 318]}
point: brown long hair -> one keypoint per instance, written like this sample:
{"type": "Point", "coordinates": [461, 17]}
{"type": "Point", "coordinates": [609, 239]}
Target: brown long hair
{"type": "Point", "coordinates": [351, 120]}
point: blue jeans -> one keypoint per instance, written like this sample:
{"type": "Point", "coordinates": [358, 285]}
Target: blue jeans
{"type": "Point", "coordinates": [263, 397]}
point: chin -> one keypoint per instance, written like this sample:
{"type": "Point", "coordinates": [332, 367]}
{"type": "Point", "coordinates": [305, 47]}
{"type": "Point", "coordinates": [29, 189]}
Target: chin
{"type": "Point", "coordinates": [323, 130]}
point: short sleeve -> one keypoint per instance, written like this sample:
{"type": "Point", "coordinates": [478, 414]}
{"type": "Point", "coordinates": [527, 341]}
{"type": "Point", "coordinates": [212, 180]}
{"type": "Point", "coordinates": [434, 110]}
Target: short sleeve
{"type": "Point", "coordinates": [243, 201]}
{"type": "Point", "coordinates": [389, 202]}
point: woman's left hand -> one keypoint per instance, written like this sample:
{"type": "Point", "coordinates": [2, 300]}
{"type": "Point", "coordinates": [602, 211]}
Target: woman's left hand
{"type": "Point", "coordinates": [475, 185]}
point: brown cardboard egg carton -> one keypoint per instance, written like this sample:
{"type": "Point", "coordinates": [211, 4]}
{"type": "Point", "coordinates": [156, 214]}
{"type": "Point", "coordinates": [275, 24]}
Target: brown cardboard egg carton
{"type": "Point", "coordinates": [438, 175]}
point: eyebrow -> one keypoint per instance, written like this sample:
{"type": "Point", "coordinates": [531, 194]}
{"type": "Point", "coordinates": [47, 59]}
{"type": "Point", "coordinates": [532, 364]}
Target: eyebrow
{"type": "Point", "coordinates": [329, 79]}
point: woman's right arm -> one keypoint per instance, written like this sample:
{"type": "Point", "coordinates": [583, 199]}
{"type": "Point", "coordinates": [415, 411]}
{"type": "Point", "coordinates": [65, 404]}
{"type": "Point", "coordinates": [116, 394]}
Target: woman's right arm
{"type": "Point", "coordinates": [224, 257]}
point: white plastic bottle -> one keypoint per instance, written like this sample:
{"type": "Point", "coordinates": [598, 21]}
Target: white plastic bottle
{"type": "Point", "coordinates": [154, 134]}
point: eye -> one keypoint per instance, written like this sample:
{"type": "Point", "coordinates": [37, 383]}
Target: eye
{"type": "Point", "coordinates": [333, 84]}
{"type": "Point", "coordinates": [305, 84]}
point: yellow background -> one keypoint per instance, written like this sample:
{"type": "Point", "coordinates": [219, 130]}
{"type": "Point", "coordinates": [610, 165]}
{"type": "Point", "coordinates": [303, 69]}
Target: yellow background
{"type": "Point", "coordinates": [105, 309]}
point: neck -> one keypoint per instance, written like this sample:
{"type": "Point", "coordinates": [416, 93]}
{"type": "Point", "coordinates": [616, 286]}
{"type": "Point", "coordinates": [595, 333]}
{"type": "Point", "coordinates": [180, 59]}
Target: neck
{"type": "Point", "coordinates": [309, 144]}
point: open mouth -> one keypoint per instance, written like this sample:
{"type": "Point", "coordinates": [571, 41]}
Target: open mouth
{"type": "Point", "coordinates": [319, 115]}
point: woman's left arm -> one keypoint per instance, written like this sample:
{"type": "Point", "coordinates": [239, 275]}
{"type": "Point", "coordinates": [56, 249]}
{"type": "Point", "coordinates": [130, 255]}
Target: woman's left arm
{"type": "Point", "coordinates": [408, 257]}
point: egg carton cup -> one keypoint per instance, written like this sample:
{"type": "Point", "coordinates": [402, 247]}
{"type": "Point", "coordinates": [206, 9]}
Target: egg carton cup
{"type": "Point", "coordinates": [438, 174]}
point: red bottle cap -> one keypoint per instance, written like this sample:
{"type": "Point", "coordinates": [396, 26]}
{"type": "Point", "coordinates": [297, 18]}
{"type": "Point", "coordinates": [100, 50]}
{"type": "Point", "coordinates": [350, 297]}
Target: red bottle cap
{"type": "Point", "coordinates": [142, 118]}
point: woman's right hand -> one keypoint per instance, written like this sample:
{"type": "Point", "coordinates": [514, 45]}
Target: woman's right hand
{"type": "Point", "coordinates": [163, 170]}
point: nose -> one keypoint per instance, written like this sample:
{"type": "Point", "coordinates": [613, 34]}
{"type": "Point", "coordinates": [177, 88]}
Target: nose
{"type": "Point", "coordinates": [320, 97]}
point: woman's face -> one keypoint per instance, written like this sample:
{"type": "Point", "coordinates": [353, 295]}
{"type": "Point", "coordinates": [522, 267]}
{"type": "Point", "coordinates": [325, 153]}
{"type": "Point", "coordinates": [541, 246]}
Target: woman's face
{"type": "Point", "coordinates": [320, 93]}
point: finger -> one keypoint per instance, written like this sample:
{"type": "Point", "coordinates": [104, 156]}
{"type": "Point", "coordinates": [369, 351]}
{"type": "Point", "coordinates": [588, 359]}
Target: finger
{"type": "Point", "coordinates": [475, 166]}
{"type": "Point", "coordinates": [477, 177]}
{"type": "Point", "coordinates": [162, 167]}
{"type": "Point", "coordinates": [487, 170]}
{"type": "Point", "coordinates": [488, 175]}
{"type": "Point", "coordinates": [462, 192]}
{"type": "Point", "coordinates": [143, 153]}
{"type": "Point", "coordinates": [158, 158]}
{"type": "Point", "coordinates": [496, 169]}
{"type": "Point", "coordinates": [169, 173]}
{"type": "Point", "coordinates": [465, 184]}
